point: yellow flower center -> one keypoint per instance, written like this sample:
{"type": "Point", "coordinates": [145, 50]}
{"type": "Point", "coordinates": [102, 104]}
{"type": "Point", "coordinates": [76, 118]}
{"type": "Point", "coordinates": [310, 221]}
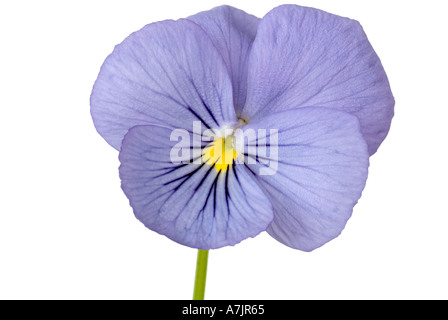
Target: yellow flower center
{"type": "Point", "coordinates": [220, 153]}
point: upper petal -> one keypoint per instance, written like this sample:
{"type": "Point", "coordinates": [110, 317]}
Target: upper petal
{"type": "Point", "coordinates": [232, 31]}
{"type": "Point", "coordinates": [191, 203]}
{"type": "Point", "coordinates": [307, 57]}
{"type": "Point", "coordinates": [167, 73]}
{"type": "Point", "coordinates": [315, 169]}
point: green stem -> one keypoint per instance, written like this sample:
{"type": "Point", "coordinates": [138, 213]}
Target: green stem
{"type": "Point", "coordinates": [201, 274]}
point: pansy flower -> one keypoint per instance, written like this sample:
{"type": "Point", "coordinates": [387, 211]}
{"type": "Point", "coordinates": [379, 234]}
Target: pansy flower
{"type": "Point", "coordinates": [306, 83]}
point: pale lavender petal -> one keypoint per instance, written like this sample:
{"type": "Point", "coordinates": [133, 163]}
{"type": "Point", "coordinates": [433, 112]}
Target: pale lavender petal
{"type": "Point", "coordinates": [232, 31]}
{"type": "Point", "coordinates": [167, 73]}
{"type": "Point", "coordinates": [320, 174]}
{"type": "Point", "coordinates": [306, 57]}
{"type": "Point", "coordinates": [192, 204]}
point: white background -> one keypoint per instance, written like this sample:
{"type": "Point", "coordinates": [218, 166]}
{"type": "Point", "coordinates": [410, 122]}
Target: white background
{"type": "Point", "coordinates": [67, 231]}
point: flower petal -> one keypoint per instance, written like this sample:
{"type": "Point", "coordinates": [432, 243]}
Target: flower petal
{"type": "Point", "coordinates": [232, 31]}
{"type": "Point", "coordinates": [305, 57]}
{"type": "Point", "coordinates": [167, 73]}
{"type": "Point", "coordinates": [192, 204]}
{"type": "Point", "coordinates": [318, 178]}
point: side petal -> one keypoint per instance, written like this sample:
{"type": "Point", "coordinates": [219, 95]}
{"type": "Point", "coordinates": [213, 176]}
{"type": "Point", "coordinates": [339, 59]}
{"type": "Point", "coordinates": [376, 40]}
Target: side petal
{"type": "Point", "coordinates": [307, 57]}
{"type": "Point", "coordinates": [232, 31]}
{"type": "Point", "coordinates": [167, 73]}
{"type": "Point", "coordinates": [314, 172]}
{"type": "Point", "coordinates": [193, 204]}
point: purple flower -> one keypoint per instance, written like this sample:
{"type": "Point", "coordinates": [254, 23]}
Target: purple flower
{"type": "Point", "coordinates": [311, 76]}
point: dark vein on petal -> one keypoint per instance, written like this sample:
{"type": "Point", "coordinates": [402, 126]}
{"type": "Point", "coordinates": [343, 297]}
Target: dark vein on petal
{"type": "Point", "coordinates": [214, 193]}
{"type": "Point", "coordinates": [208, 110]}
{"type": "Point", "coordinates": [227, 190]}
{"type": "Point", "coordinates": [187, 176]}
{"type": "Point", "coordinates": [171, 169]}
{"type": "Point", "coordinates": [203, 178]}
{"type": "Point", "coordinates": [200, 119]}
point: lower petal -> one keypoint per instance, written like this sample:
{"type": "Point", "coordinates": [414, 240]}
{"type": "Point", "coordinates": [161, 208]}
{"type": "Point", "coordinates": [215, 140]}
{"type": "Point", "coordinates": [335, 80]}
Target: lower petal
{"type": "Point", "coordinates": [191, 203]}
